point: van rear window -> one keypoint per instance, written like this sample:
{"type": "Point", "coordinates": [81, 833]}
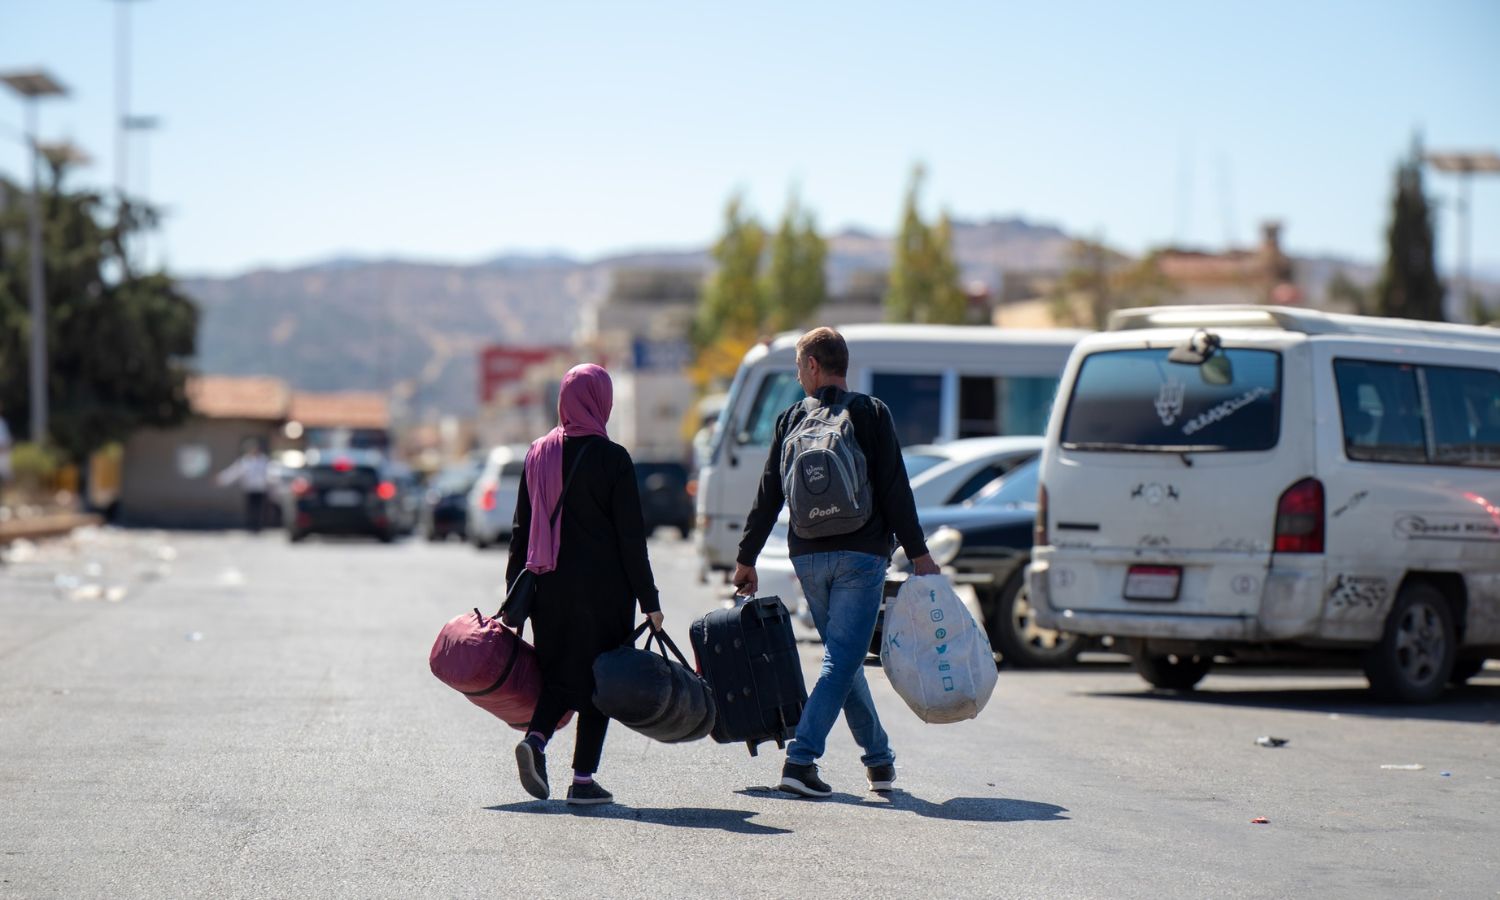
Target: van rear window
{"type": "Point", "coordinates": [1136, 400]}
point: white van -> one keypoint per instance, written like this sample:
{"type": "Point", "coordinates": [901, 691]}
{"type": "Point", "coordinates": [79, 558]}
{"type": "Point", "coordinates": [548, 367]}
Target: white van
{"type": "Point", "coordinates": [1218, 480]}
{"type": "Point", "coordinates": [941, 382]}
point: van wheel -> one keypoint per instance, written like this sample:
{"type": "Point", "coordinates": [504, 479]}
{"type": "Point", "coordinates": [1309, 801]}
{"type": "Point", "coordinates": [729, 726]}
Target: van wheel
{"type": "Point", "coordinates": [1415, 656]}
{"type": "Point", "coordinates": [1170, 671]}
{"type": "Point", "coordinates": [1465, 669]}
{"type": "Point", "coordinates": [1016, 636]}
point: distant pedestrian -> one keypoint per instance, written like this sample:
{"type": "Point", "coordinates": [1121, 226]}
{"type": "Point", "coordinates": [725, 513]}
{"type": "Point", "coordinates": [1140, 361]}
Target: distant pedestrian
{"type": "Point", "coordinates": [591, 572]}
{"type": "Point", "coordinates": [252, 472]}
{"type": "Point", "coordinates": [848, 500]}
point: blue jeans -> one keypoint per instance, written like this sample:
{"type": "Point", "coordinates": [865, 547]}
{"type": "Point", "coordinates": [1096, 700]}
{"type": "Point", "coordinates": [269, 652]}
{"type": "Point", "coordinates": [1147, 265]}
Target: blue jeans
{"type": "Point", "coordinates": [843, 590]}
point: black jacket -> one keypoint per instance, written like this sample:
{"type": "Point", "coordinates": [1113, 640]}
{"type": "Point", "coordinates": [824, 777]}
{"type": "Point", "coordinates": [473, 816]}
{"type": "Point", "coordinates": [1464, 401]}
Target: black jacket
{"type": "Point", "coordinates": [587, 604]}
{"type": "Point", "coordinates": [895, 511]}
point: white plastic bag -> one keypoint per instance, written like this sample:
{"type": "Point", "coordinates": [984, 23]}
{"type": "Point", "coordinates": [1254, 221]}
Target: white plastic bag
{"type": "Point", "coordinates": [936, 658]}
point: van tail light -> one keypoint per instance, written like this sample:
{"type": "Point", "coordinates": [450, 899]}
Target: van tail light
{"type": "Point", "coordinates": [487, 499]}
{"type": "Point", "coordinates": [1039, 537]}
{"type": "Point", "coordinates": [386, 491]}
{"type": "Point", "coordinates": [1299, 518]}
{"type": "Point", "coordinates": [692, 488]}
{"type": "Point", "coordinates": [301, 487]}
{"type": "Point", "coordinates": [342, 464]}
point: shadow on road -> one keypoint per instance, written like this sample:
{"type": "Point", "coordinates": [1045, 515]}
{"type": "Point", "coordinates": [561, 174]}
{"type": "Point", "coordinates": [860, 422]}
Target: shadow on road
{"type": "Point", "coordinates": [958, 809]}
{"type": "Point", "coordinates": [1476, 704]}
{"type": "Point", "coordinates": [734, 821]}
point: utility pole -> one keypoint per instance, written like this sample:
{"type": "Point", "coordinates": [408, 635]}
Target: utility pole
{"type": "Point", "coordinates": [1465, 165]}
{"type": "Point", "coordinates": [33, 85]}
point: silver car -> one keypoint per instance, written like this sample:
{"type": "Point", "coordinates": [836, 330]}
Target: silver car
{"type": "Point", "coordinates": [492, 500]}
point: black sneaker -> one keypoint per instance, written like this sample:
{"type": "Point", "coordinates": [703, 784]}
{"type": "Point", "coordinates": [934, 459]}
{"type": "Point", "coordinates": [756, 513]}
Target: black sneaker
{"type": "Point", "coordinates": [803, 780]}
{"type": "Point", "coordinates": [531, 762]}
{"type": "Point", "coordinates": [588, 794]}
{"type": "Point", "coordinates": [881, 777]}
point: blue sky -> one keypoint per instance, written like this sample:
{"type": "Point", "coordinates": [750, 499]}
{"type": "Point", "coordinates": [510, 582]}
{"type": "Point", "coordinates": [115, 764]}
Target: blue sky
{"type": "Point", "coordinates": [293, 131]}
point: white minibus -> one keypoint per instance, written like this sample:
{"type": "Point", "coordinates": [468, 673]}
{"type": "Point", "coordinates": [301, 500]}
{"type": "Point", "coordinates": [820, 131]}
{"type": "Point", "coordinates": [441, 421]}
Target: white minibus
{"type": "Point", "coordinates": [1222, 481]}
{"type": "Point", "coordinates": [941, 382]}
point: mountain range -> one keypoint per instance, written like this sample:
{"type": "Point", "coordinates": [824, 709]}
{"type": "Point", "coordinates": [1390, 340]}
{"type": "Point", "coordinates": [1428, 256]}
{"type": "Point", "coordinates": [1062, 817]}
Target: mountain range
{"type": "Point", "coordinates": [416, 328]}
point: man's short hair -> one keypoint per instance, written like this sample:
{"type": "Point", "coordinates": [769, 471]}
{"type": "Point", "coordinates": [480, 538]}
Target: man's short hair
{"type": "Point", "coordinates": [827, 347]}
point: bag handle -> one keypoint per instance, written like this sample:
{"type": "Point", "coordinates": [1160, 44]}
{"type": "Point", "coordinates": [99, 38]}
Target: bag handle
{"type": "Point", "coordinates": [663, 642]}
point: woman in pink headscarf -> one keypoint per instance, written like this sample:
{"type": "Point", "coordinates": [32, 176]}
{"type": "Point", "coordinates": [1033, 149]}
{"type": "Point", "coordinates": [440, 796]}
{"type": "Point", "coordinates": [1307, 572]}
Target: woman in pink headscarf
{"type": "Point", "coordinates": [591, 569]}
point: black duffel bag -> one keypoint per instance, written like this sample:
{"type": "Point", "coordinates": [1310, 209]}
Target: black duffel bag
{"type": "Point", "coordinates": [650, 693]}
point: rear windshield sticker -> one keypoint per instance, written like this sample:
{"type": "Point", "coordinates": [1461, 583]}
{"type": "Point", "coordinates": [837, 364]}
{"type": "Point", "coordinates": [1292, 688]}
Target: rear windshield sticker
{"type": "Point", "coordinates": [1169, 401]}
{"type": "Point", "coordinates": [1223, 410]}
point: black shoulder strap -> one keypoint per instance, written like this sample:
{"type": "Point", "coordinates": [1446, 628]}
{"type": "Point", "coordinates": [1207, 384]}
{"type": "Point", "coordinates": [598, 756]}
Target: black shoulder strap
{"type": "Point", "coordinates": [567, 481]}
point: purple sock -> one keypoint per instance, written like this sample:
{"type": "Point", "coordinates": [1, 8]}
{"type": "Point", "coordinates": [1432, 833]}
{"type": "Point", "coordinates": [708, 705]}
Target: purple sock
{"type": "Point", "coordinates": [536, 737]}
{"type": "Point", "coordinates": [583, 777]}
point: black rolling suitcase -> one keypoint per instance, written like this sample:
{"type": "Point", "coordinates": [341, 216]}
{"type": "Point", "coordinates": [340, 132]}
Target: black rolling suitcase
{"type": "Point", "coordinates": [749, 657]}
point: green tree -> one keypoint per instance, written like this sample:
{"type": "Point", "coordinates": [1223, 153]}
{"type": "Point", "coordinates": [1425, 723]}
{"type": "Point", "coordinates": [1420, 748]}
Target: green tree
{"type": "Point", "coordinates": [118, 341]}
{"type": "Point", "coordinates": [1099, 281]}
{"type": "Point", "coordinates": [924, 284]}
{"type": "Point", "coordinates": [795, 285]}
{"type": "Point", "coordinates": [733, 304]}
{"type": "Point", "coordinates": [1409, 287]}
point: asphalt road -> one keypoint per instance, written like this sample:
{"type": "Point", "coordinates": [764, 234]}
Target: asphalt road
{"type": "Point", "coordinates": [226, 715]}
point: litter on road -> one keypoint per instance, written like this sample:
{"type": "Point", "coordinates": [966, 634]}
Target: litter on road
{"type": "Point", "coordinates": [1260, 820]}
{"type": "Point", "coordinates": [1266, 740]}
{"type": "Point", "coordinates": [1404, 767]}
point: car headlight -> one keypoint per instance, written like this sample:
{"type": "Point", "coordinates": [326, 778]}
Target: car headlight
{"type": "Point", "coordinates": [944, 545]}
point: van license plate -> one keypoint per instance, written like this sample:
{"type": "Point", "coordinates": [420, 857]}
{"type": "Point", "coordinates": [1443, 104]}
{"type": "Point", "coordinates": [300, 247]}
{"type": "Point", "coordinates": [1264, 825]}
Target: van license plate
{"type": "Point", "coordinates": [1153, 582]}
{"type": "Point", "coordinates": [344, 498]}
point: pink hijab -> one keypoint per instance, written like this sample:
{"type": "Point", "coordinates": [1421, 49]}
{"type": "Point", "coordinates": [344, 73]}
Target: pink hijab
{"type": "Point", "coordinates": [583, 407]}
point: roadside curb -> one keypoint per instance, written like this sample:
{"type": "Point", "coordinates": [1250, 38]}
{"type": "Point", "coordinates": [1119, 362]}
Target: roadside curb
{"type": "Point", "coordinates": [45, 526]}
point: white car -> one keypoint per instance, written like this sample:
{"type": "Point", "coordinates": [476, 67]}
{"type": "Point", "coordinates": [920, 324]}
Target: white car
{"type": "Point", "coordinates": [492, 500]}
{"type": "Point", "coordinates": [948, 474]}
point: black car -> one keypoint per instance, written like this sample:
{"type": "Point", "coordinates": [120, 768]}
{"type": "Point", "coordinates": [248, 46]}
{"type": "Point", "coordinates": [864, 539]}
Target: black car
{"type": "Point", "coordinates": [664, 496]}
{"type": "Point", "coordinates": [993, 533]}
{"type": "Point", "coordinates": [349, 492]}
{"type": "Point", "coordinates": [445, 507]}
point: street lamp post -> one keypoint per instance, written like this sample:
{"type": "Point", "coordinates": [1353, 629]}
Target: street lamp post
{"type": "Point", "coordinates": [1464, 165]}
{"type": "Point", "coordinates": [32, 86]}
{"type": "Point", "coordinates": [143, 125]}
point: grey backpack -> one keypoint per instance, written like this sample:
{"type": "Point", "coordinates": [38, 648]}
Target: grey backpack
{"type": "Point", "coordinates": [823, 472]}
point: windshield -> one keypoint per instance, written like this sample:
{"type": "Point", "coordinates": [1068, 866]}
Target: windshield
{"type": "Point", "coordinates": [917, 463]}
{"type": "Point", "coordinates": [1137, 400]}
{"type": "Point", "coordinates": [1018, 488]}
{"type": "Point", "coordinates": [456, 481]}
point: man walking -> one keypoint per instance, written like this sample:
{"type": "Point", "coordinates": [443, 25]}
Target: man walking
{"type": "Point", "coordinates": [252, 472]}
{"type": "Point", "coordinates": [836, 462]}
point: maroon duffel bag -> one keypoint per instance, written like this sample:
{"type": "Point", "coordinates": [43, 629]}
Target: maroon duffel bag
{"type": "Point", "coordinates": [492, 666]}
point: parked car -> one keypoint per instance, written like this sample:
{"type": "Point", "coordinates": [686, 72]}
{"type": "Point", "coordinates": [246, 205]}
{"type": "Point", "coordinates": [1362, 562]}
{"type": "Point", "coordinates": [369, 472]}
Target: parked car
{"type": "Point", "coordinates": [664, 496]}
{"type": "Point", "coordinates": [445, 504]}
{"type": "Point", "coordinates": [986, 544]}
{"type": "Point", "coordinates": [492, 499]}
{"type": "Point", "coordinates": [347, 492]}
{"type": "Point", "coordinates": [1227, 479]}
{"type": "Point", "coordinates": [948, 474]}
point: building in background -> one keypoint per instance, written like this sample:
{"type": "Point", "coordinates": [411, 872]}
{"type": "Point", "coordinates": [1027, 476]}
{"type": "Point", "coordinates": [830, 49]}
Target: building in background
{"type": "Point", "coordinates": [1263, 274]}
{"type": "Point", "coordinates": [167, 475]}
